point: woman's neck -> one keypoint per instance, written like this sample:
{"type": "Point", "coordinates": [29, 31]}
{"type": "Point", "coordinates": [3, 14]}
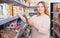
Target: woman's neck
{"type": "Point", "coordinates": [42, 13]}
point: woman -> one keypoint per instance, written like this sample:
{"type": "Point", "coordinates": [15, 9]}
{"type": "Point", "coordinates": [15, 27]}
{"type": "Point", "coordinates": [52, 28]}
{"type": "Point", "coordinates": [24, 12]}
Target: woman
{"type": "Point", "coordinates": [40, 23]}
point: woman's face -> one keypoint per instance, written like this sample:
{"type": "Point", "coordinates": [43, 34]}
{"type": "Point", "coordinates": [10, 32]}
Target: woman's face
{"type": "Point", "coordinates": [40, 8]}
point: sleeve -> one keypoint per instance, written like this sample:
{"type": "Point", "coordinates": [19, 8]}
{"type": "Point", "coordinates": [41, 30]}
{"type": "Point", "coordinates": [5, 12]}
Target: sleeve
{"type": "Point", "coordinates": [31, 20]}
{"type": "Point", "coordinates": [45, 26]}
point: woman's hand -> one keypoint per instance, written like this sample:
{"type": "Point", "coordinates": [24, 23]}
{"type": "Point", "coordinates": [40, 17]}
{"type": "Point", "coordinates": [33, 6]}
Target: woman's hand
{"type": "Point", "coordinates": [21, 16]}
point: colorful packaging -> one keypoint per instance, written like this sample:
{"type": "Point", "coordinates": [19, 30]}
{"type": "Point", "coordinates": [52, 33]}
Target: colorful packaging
{"type": "Point", "coordinates": [10, 9]}
{"type": "Point", "coordinates": [6, 13]}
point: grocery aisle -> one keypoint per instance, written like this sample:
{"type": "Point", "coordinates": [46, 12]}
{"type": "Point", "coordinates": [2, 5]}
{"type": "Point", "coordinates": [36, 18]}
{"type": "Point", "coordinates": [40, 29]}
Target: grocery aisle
{"type": "Point", "coordinates": [11, 25]}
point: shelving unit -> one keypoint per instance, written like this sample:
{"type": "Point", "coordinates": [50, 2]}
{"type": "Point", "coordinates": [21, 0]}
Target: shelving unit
{"type": "Point", "coordinates": [55, 21]}
{"type": "Point", "coordinates": [13, 2]}
{"type": "Point", "coordinates": [56, 32]}
{"type": "Point", "coordinates": [16, 3]}
{"type": "Point", "coordinates": [58, 24]}
{"type": "Point", "coordinates": [11, 19]}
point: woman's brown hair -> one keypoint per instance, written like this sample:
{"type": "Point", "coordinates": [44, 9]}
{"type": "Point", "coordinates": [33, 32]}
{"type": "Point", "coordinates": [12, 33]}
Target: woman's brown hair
{"type": "Point", "coordinates": [46, 11]}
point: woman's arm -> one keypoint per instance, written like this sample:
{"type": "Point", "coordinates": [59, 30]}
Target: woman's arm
{"type": "Point", "coordinates": [22, 17]}
{"type": "Point", "coordinates": [30, 22]}
{"type": "Point", "coordinates": [24, 20]}
{"type": "Point", "coordinates": [43, 27]}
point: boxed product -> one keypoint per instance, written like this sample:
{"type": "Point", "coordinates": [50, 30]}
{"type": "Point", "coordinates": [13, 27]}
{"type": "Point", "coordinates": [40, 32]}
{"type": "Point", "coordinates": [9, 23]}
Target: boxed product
{"type": "Point", "coordinates": [21, 1]}
{"type": "Point", "coordinates": [10, 9]}
{"type": "Point", "coordinates": [4, 10]}
{"type": "Point", "coordinates": [20, 9]}
{"type": "Point", "coordinates": [27, 2]}
{"type": "Point", "coordinates": [56, 8]}
{"type": "Point", "coordinates": [14, 10]}
{"type": "Point", "coordinates": [1, 12]}
{"type": "Point", "coordinates": [32, 3]}
{"type": "Point", "coordinates": [17, 9]}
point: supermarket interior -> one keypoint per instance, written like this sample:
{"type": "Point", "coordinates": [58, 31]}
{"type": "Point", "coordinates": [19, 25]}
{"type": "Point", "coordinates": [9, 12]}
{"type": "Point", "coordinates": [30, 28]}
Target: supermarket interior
{"type": "Point", "coordinates": [11, 25]}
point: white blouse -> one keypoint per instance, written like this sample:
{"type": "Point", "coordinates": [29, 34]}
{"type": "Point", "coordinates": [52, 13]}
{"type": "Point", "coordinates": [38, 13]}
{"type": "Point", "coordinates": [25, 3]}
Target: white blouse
{"type": "Point", "coordinates": [43, 24]}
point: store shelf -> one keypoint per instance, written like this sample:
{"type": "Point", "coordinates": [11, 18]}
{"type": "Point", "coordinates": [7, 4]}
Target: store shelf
{"type": "Point", "coordinates": [10, 1]}
{"type": "Point", "coordinates": [13, 2]}
{"type": "Point", "coordinates": [56, 32]}
{"type": "Point", "coordinates": [31, 7]}
{"type": "Point", "coordinates": [56, 12]}
{"type": "Point", "coordinates": [22, 30]}
{"type": "Point", "coordinates": [16, 3]}
{"type": "Point", "coordinates": [58, 24]}
{"type": "Point", "coordinates": [8, 20]}
{"type": "Point", "coordinates": [32, 13]}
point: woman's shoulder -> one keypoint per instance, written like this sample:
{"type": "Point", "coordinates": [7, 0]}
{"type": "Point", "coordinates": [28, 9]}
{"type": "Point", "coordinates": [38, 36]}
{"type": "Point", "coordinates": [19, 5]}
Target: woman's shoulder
{"type": "Point", "coordinates": [46, 16]}
{"type": "Point", "coordinates": [33, 16]}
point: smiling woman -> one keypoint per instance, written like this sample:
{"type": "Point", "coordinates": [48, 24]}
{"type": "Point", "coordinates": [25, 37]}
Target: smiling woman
{"type": "Point", "coordinates": [40, 23]}
{"type": "Point", "coordinates": [41, 8]}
